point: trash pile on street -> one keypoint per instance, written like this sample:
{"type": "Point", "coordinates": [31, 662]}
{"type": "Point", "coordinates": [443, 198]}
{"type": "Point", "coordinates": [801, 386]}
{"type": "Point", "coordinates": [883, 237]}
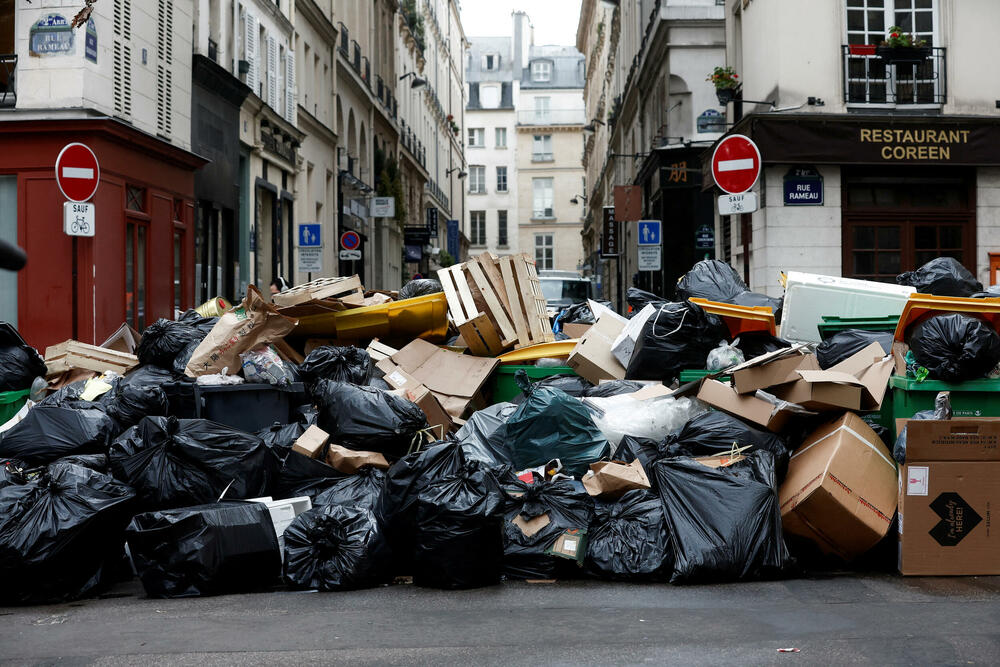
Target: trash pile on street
{"type": "Point", "coordinates": [452, 435]}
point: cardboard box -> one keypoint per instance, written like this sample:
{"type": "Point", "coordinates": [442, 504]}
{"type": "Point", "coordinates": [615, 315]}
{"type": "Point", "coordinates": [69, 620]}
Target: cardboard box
{"type": "Point", "coordinates": [746, 406]}
{"type": "Point", "coordinates": [612, 479]}
{"type": "Point", "coordinates": [771, 369]}
{"type": "Point", "coordinates": [455, 379]}
{"type": "Point", "coordinates": [857, 383]}
{"type": "Point", "coordinates": [126, 339]}
{"type": "Point", "coordinates": [311, 442]}
{"type": "Point", "coordinates": [592, 358]}
{"type": "Point", "coordinates": [949, 489]}
{"type": "Point", "coordinates": [408, 387]}
{"type": "Point", "coordinates": [576, 330]}
{"type": "Point", "coordinates": [841, 488]}
{"type": "Point", "coordinates": [350, 461]}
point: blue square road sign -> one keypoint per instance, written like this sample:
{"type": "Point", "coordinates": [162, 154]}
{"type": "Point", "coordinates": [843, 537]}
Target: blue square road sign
{"type": "Point", "coordinates": [310, 235]}
{"type": "Point", "coordinates": [649, 232]}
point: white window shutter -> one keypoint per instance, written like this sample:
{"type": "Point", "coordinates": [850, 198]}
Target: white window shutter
{"type": "Point", "coordinates": [250, 50]}
{"type": "Point", "coordinates": [290, 87]}
{"type": "Point", "coordinates": [272, 72]}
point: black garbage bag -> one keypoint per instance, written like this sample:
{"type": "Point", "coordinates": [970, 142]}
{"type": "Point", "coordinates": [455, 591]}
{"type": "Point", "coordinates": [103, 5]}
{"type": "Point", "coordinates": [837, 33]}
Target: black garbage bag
{"type": "Point", "coordinates": [713, 433]}
{"type": "Point", "coordinates": [484, 434]}
{"type": "Point", "coordinates": [340, 364]}
{"type": "Point", "coordinates": [677, 337]}
{"type": "Point", "coordinates": [725, 524]}
{"type": "Point", "coordinates": [629, 540]}
{"type": "Point", "coordinates": [545, 529]}
{"type": "Point", "coordinates": [716, 280]}
{"type": "Point", "coordinates": [202, 324]}
{"type": "Point", "coordinates": [551, 424]}
{"type": "Point", "coordinates": [164, 339]}
{"type": "Point", "coordinates": [420, 287]}
{"type": "Point", "coordinates": [184, 357]}
{"type": "Point", "coordinates": [225, 547]}
{"type": "Point", "coordinates": [61, 534]}
{"type": "Point", "coordinates": [843, 344]}
{"type": "Point", "coordinates": [580, 313]}
{"type": "Point", "coordinates": [96, 462]}
{"type": "Point", "coordinates": [574, 385]}
{"type": "Point", "coordinates": [943, 276]}
{"type": "Point", "coordinates": [362, 489]}
{"type": "Point", "coordinates": [151, 375]}
{"type": "Point", "coordinates": [279, 438]}
{"type": "Point", "coordinates": [336, 548]}
{"type": "Point", "coordinates": [303, 476]}
{"type": "Point", "coordinates": [638, 299]}
{"type": "Point", "coordinates": [756, 300]}
{"type": "Point", "coordinates": [613, 388]}
{"type": "Point", "coordinates": [367, 419]}
{"type": "Point", "coordinates": [50, 432]}
{"type": "Point", "coordinates": [181, 462]}
{"type": "Point", "coordinates": [755, 344]}
{"type": "Point", "coordinates": [458, 541]}
{"type": "Point", "coordinates": [20, 363]}
{"type": "Point", "coordinates": [955, 347]}
{"type": "Point", "coordinates": [127, 403]}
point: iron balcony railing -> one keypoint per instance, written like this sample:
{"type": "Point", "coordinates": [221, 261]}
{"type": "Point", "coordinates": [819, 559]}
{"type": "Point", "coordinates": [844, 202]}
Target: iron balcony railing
{"type": "Point", "coordinates": [345, 38]}
{"type": "Point", "coordinates": [870, 78]}
{"type": "Point", "coordinates": [542, 157]}
{"type": "Point", "coordinates": [8, 79]}
{"type": "Point", "coordinates": [356, 59]}
{"type": "Point", "coordinates": [552, 117]}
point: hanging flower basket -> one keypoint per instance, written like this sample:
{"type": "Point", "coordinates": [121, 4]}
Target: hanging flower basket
{"type": "Point", "coordinates": [903, 55]}
{"type": "Point", "coordinates": [726, 95]}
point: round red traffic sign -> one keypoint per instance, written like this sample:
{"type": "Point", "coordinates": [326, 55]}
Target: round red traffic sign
{"type": "Point", "coordinates": [77, 172]}
{"type": "Point", "coordinates": [350, 241]}
{"type": "Point", "coordinates": [736, 164]}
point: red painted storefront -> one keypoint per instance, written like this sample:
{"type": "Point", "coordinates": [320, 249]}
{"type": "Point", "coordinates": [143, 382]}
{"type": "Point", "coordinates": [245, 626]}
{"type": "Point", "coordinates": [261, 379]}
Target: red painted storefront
{"type": "Point", "coordinates": [144, 228]}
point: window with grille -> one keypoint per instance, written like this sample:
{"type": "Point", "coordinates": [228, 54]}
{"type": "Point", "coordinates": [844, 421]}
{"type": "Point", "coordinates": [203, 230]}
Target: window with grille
{"type": "Point", "coordinates": [135, 198]}
{"type": "Point", "coordinates": [477, 231]}
{"type": "Point", "coordinates": [502, 228]}
{"type": "Point", "coordinates": [501, 179]}
{"type": "Point", "coordinates": [541, 189]}
{"type": "Point", "coordinates": [543, 251]}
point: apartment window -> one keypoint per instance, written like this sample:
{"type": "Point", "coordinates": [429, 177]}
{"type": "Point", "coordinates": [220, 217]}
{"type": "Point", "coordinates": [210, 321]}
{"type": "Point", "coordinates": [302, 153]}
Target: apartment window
{"type": "Point", "coordinates": [541, 148]}
{"type": "Point", "coordinates": [478, 227]}
{"type": "Point", "coordinates": [543, 105]}
{"type": "Point", "coordinates": [489, 96]}
{"type": "Point", "coordinates": [543, 251]}
{"type": "Point", "coordinates": [501, 179]}
{"type": "Point", "coordinates": [136, 232]}
{"type": "Point", "coordinates": [869, 79]}
{"type": "Point", "coordinates": [541, 70]}
{"type": "Point", "coordinates": [477, 137]}
{"type": "Point", "coordinates": [541, 190]}
{"type": "Point", "coordinates": [502, 229]}
{"type": "Point", "coordinates": [491, 62]}
{"type": "Point", "coordinates": [501, 138]}
{"type": "Point", "coordinates": [477, 180]}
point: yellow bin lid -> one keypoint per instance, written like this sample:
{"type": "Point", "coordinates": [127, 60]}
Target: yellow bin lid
{"type": "Point", "coordinates": [921, 306]}
{"type": "Point", "coordinates": [740, 319]}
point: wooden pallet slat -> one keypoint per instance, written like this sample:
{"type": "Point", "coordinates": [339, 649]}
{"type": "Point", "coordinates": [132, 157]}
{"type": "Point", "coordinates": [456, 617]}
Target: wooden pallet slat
{"type": "Point", "coordinates": [345, 288]}
{"type": "Point", "coordinates": [73, 354]}
{"type": "Point", "coordinates": [514, 297]}
{"type": "Point", "coordinates": [493, 303]}
{"type": "Point", "coordinates": [449, 283]}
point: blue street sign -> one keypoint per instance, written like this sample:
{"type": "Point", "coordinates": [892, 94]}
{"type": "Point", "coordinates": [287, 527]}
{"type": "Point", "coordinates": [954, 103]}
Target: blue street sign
{"type": "Point", "coordinates": [310, 235]}
{"type": "Point", "coordinates": [649, 232]}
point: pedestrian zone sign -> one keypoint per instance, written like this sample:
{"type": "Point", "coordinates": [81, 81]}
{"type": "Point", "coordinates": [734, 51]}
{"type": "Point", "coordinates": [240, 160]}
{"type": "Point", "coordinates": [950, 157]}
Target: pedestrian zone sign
{"type": "Point", "coordinates": [649, 232]}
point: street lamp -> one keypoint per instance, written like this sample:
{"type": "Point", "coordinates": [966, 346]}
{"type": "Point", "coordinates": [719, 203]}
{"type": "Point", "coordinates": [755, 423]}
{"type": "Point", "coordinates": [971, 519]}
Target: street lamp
{"type": "Point", "coordinates": [461, 172]}
{"type": "Point", "coordinates": [592, 125]}
{"type": "Point", "coordinates": [576, 199]}
{"type": "Point", "coordinates": [417, 81]}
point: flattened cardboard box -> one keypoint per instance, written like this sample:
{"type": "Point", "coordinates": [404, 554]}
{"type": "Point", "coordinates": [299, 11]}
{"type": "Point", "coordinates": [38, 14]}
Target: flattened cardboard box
{"type": "Point", "coordinates": [576, 330]}
{"type": "Point", "coordinates": [592, 358]}
{"type": "Point", "coordinates": [747, 406]}
{"type": "Point", "coordinates": [841, 487]}
{"type": "Point", "coordinates": [771, 369]}
{"type": "Point", "coordinates": [455, 379]}
{"type": "Point", "coordinates": [408, 387]}
{"type": "Point", "coordinates": [949, 490]}
{"type": "Point", "coordinates": [856, 383]}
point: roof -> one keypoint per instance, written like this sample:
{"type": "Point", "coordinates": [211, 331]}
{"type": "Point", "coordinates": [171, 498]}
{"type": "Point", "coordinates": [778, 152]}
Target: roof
{"type": "Point", "coordinates": [480, 46]}
{"type": "Point", "coordinates": [568, 69]}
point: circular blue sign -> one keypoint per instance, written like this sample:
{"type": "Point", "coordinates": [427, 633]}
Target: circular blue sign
{"type": "Point", "coordinates": [350, 241]}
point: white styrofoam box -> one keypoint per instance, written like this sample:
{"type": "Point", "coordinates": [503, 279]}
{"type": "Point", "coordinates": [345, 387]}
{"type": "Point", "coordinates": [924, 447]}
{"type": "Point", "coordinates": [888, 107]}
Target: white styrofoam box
{"type": "Point", "coordinates": [808, 297]}
{"type": "Point", "coordinates": [283, 512]}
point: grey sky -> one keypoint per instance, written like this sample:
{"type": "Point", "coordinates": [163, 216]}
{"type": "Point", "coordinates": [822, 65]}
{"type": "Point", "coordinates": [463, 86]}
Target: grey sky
{"type": "Point", "coordinates": [554, 20]}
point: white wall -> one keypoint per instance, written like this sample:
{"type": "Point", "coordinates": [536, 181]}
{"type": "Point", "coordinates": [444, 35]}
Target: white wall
{"type": "Point", "coordinates": [491, 157]}
{"type": "Point", "coordinates": [987, 219]}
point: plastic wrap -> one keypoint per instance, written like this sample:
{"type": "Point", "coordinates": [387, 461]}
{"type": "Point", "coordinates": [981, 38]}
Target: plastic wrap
{"type": "Point", "coordinates": [654, 418]}
{"type": "Point", "coordinates": [724, 356]}
{"type": "Point", "coordinates": [263, 365]}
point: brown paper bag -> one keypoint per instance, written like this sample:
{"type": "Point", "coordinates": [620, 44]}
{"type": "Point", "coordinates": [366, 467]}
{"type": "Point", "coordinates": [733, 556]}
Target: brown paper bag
{"type": "Point", "coordinates": [349, 461]}
{"type": "Point", "coordinates": [611, 479]}
{"type": "Point", "coordinates": [253, 322]}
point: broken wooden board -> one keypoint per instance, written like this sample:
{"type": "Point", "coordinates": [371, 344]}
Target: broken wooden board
{"type": "Point", "coordinates": [74, 355]}
{"type": "Point", "coordinates": [347, 289]}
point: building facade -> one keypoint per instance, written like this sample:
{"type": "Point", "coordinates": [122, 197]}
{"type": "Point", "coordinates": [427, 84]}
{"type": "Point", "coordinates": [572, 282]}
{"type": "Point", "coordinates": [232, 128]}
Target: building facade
{"type": "Point", "coordinates": [550, 122]}
{"type": "Point", "coordinates": [122, 85]}
{"type": "Point", "coordinates": [492, 145]}
{"type": "Point", "coordinates": [872, 165]}
{"type": "Point", "coordinates": [652, 115]}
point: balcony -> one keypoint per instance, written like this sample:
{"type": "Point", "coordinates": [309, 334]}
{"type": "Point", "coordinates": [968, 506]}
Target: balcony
{"type": "Point", "coordinates": [552, 117]}
{"type": "Point", "coordinates": [356, 57]}
{"type": "Point", "coordinates": [870, 80]}
{"type": "Point", "coordinates": [542, 157]}
{"type": "Point", "coordinates": [366, 71]}
{"type": "Point", "coordinates": [8, 79]}
{"type": "Point", "coordinates": [345, 39]}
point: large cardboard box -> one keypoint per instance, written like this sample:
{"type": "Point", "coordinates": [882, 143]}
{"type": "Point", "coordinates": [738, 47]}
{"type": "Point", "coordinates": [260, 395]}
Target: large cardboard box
{"type": "Point", "coordinates": [592, 358]}
{"type": "Point", "coordinates": [772, 369]}
{"type": "Point", "coordinates": [841, 488]}
{"type": "Point", "coordinates": [455, 379]}
{"type": "Point", "coordinates": [857, 383]}
{"type": "Point", "coordinates": [747, 406]}
{"type": "Point", "coordinates": [576, 330]}
{"type": "Point", "coordinates": [950, 488]}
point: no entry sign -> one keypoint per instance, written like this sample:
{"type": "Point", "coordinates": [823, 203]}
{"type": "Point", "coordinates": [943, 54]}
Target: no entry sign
{"type": "Point", "coordinates": [736, 164]}
{"type": "Point", "coordinates": [77, 172]}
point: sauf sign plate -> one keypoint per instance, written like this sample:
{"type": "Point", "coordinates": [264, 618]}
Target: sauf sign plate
{"type": "Point", "coordinates": [745, 202]}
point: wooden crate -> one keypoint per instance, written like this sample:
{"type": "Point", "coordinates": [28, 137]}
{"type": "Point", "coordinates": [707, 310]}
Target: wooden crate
{"type": "Point", "coordinates": [496, 303]}
{"type": "Point", "coordinates": [72, 354]}
{"type": "Point", "coordinates": [346, 289]}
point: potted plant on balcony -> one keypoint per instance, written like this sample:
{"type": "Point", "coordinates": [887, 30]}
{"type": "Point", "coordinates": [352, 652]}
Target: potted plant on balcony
{"type": "Point", "coordinates": [898, 48]}
{"type": "Point", "coordinates": [726, 82]}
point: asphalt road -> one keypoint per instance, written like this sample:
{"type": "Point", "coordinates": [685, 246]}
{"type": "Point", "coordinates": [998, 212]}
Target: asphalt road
{"type": "Point", "coordinates": [875, 618]}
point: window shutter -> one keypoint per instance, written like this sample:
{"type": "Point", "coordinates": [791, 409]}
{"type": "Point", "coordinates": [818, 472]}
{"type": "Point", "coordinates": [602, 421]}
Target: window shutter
{"type": "Point", "coordinates": [290, 87]}
{"type": "Point", "coordinates": [272, 72]}
{"type": "Point", "coordinates": [250, 50]}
